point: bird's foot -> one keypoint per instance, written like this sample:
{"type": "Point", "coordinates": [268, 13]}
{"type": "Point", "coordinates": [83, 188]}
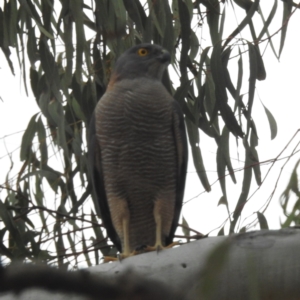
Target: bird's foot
{"type": "Point", "coordinates": [121, 256]}
{"type": "Point", "coordinates": [158, 247]}
{"type": "Point", "coordinates": [107, 259]}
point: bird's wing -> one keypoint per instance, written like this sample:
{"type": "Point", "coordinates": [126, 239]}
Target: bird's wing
{"type": "Point", "coordinates": [98, 183]}
{"type": "Point", "coordinates": [180, 139]}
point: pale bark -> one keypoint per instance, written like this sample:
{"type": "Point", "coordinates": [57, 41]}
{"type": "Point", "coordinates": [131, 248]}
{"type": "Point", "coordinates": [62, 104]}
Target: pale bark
{"type": "Point", "coordinates": [255, 265]}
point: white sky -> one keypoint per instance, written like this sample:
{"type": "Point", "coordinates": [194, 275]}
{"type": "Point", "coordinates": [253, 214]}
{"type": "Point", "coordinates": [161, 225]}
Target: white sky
{"type": "Point", "coordinates": [280, 93]}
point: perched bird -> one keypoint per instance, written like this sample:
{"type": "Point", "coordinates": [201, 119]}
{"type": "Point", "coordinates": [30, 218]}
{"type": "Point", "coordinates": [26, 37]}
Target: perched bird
{"type": "Point", "coordinates": [138, 153]}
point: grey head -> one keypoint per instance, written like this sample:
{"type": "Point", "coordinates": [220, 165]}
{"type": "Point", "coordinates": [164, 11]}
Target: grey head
{"type": "Point", "coordinates": [143, 60]}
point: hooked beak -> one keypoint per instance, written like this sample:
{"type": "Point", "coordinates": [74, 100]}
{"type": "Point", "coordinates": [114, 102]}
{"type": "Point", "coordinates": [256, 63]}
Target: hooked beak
{"type": "Point", "coordinates": [164, 57]}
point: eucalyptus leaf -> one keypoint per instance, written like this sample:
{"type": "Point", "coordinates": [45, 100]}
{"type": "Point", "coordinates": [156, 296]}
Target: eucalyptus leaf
{"type": "Point", "coordinates": [262, 221]}
{"type": "Point", "coordinates": [272, 122]}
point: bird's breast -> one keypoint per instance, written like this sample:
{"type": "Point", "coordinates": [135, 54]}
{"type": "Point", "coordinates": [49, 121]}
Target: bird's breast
{"type": "Point", "coordinates": [134, 131]}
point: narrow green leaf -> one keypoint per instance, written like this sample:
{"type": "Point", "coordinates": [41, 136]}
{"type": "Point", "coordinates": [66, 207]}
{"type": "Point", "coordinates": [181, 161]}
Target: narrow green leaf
{"type": "Point", "coordinates": [221, 232]}
{"type": "Point", "coordinates": [239, 79]}
{"type": "Point", "coordinates": [245, 4]}
{"type": "Point", "coordinates": [47, 11]}
{"type": "Point", "coordinates": [180, 94]}
{"type": "Point", "coordinates": [197, 156]}
{"type": "Point", "coordinates": [27, 138]}
{"type": "Point", "coordinates": [244, 193]}
{"type": "Point", "coordinates": [68, 39]}
{"type": "Point", "coordinates": [157, 15]}
{"type": "Point", "coordinates": [252, 80]}
{"type": "Point", "coordinates": [2, 29]}
{"type": "Point", "coordinates": [272, 122]}
{"type": "Point", "coordinates": [39, 196]}
{"type": "Point", "coordinates": [210, 103]}
{"type": "Point", "coordinates": [137, 14]}
{"type": "Point", "coordinates": [263, 223]}
{"type": "Point", "coordinates": [120, 11]}
{"type": "Point", "coordinates": [269, 20]}
{"type": "Point", "coordinates": [256, 166]}
{"type": "Point", "coordinates": [221, 167]}
{"type": "Point", "coordinates": [213, 22]}
{"type": "Point", "coordinates": [53, 177]}
{"type": "Point", "coordinates": [261, 71]}
{"type": "Point", "coordinates": [29, 222]}
{"type": "Point", "coordinates": [12, 228]}
{"type": "Point", "coordinates": [4, 40]}
{"type": "Point", "coordinates": [223, 201]}
{"type": "Point", "coordinates": [287, 9]}
{"type": "Point", "coordinates": [32, 12]}
{"type": "Point", "coordinates": [29, 237]}
{"type": "Point", "coordinates": [267, 31]}
{"type": "Point", "coordinates": [202, 121]}
{"type": "Point", "coordinates": [185, 21]}
{"type": "Point", "coordinates": [222, 22]}
{"type": "Point", "coordinates": [194, 46]}
{"type": "Point", "coordinates": [293, 186]}
{"type": "Point", "coordinates": [203, 57]}
{"type": "Point", "coordinates": [55, 110]}
{"type": "Point", "coordinates": [190, 6]}
{"type": "Point", "coordinates": [176, 20]}
{"type": "Point", "coordinates": [45, 32]}
{"type": "Point", "coordinates": [230, 121]}
{"type": "Point", "coordinates": [77, 109]}
{"type": "Point", "coordinates": [4, 250]}
{"type": "Point", "coordinates": [42, 141]}
{"type": "Point", "coordinates": [77, 142]}
{"type": "Point", "coordinates": [185, 229]}
{"type": "Point", "coordinates": [76, 8]}
{"type": "Point", "coordinates": [246, 20]}
{"type": "Point", "coordinates": [289, 220]}
{"type": "Point", "coordinates": [168, 40]}
{"type": "Point", "coordinates": [50, 68]}
{"type": "Point", "coordinates": [224, 143]}
{"type": "Point", "coordinates": [13, 23]}
{"type": "Point", "coordinates": [243, 230]}
{"type": "Point", "coordinates": [254, 157]}
{"type": "Point", "coordinates": [90, 84]}
{"type": "Point", "coordinates": [218, 74]}
{"type": "Point", "coordinates": [32, 50]}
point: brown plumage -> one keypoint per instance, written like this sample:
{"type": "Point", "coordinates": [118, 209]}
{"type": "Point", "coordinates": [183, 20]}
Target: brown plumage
{"type": "Point", "coordinates": [138, 152]}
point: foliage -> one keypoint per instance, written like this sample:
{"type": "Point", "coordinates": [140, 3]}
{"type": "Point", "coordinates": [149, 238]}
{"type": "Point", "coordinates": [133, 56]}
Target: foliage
{"type": "Point", "coordinates": [71, 47]}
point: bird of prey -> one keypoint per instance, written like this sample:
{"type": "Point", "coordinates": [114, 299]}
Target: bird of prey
{"type": "Point", "coordinates": [138, 153]}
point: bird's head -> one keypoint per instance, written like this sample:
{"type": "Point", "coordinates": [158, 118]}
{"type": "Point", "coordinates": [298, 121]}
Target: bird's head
{"type": "Point", "coordinates": [143, 60]}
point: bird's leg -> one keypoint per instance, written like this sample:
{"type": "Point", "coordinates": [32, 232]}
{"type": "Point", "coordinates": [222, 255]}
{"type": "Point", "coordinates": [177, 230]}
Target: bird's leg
{"type": "Point", "coordinates": [126, 250]}
{"type": "Point", "coordinates": [121, 219]}
{"type": "Point", "coordinates": [159, 230]}
{"type": "Point", "coordinates": [158, 242]}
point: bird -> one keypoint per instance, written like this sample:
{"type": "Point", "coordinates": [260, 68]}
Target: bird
{"type": "Point", "coordinates": [138, 153]}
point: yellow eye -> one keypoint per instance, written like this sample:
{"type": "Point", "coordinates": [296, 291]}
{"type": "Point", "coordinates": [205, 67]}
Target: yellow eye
{"type": "Point", "coordinates": [143, 52]}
